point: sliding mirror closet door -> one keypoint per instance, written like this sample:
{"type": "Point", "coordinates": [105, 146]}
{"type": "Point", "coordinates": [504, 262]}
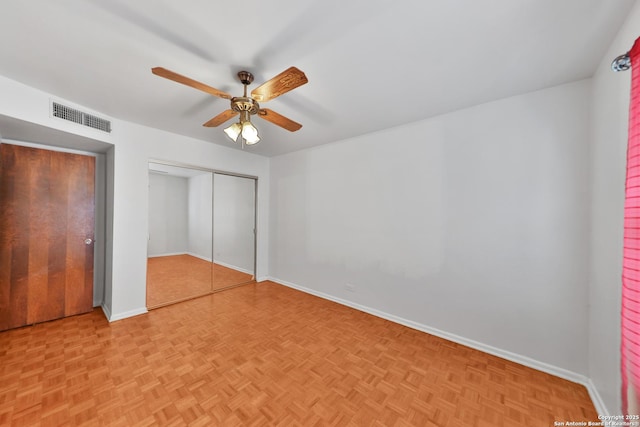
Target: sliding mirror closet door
{"type": "Point", "coordinates": [180, 243]}
{"type": "Point", "coordinates": [234, 237]}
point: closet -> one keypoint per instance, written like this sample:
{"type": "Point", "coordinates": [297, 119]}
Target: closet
{"type": "Point", "coordinates": [202, 232]}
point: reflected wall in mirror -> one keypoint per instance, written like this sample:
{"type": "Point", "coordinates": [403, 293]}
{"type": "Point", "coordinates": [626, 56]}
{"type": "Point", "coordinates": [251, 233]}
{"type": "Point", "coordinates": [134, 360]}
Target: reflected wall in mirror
{"type": "Point", "coordinates": [234, 208]}
{"type": "Point", "coordinates": [180, 234]}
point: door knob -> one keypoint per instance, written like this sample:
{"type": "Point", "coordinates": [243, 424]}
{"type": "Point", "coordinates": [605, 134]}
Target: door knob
{"type": "Point", "coordinates": [88, 241]}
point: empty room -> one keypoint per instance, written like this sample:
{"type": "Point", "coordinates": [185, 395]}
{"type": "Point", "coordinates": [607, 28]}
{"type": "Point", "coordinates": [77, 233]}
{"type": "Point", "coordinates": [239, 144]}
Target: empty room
{"type": "Point", "coordinates": [306, 213]}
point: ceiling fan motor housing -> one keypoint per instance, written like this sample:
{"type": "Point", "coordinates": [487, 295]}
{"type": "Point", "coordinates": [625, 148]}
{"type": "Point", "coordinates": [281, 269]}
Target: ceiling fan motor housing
{"type": "Point", "coordinates": [244, 103]}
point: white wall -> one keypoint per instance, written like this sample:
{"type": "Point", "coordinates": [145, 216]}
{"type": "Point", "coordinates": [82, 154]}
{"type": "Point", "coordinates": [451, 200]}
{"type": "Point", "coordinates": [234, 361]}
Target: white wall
{"type": "Point", "coordinates": [201, 216]}
{"type": "Point", "coordinates": [609, 123]}
{"type": "Point", "coordinates": [168, 215]}
{"type": "Point", "coordinates": [474, 223]}
{"type": "Point", "coordinates": [233, 221]}
{"type": "Point", "coordinates": [127, 217]}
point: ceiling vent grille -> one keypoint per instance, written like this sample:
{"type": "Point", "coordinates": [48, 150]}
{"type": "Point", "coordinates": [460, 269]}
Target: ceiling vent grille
{"type": "Point", "coordinates": [74, 115]}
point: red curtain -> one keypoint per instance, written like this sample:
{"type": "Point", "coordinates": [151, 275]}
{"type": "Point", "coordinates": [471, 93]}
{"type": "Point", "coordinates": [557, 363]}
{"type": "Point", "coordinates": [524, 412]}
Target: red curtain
{"type": "Point", "coordinates": [630, 360]}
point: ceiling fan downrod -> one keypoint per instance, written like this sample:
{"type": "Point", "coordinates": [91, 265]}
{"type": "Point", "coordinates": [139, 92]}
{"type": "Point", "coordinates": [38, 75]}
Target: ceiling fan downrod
{"type": "Point", "coordinates": [245, 103]}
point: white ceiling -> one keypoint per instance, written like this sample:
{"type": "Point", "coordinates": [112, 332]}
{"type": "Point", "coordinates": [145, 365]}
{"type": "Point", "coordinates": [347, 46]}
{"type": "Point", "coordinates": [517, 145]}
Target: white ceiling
{"type": "Point", "coordinates": [371, 64]}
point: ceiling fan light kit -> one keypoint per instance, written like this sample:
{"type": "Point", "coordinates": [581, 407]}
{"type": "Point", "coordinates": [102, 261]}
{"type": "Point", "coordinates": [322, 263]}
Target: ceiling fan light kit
{"type": "Point", "coordinates": [247, 106]}
{"type": "Point", "coordinates": [249, 133]}
{"type": "Point", "coordinates": [233, 131]}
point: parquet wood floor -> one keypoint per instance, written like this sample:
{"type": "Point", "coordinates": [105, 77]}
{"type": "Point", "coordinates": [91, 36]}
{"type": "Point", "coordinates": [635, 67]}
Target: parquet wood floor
{"type": "Point", "coordinates": [266, 355]}
{"type": "Point", "coordinates": [176, 278]}
{"type": "Point", "coordinates": [224, 277]}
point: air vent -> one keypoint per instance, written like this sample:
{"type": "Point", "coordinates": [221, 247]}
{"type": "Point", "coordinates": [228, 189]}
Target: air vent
{"type": "Point", "coordinates": [96, 122]}
{"type": "Point", "coordinates": [74, 115]}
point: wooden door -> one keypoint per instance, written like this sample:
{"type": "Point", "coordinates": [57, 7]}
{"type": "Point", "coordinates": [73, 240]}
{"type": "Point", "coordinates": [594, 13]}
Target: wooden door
{"type": "Point", "coordinates": [46, 214]}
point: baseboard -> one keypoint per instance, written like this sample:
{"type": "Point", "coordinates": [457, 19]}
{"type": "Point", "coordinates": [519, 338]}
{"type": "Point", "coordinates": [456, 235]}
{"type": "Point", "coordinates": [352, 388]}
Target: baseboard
{"type": "Point", "coordinates": [233, 267]}
{"type": "Point", "coordinates": [106, 311]}
{"type": "Point", "coordinates": [124, 315]}
{"type": "Point", "coordinates": [193, 254]}
{"type": "Point", "coordinates": [596, 398]}
{"type": "Point", "coordinates": [167, 254]}
{"type": "Point", "coordinates": [505, 354]}
{"type": "Point", "coordinates": [199, 256]}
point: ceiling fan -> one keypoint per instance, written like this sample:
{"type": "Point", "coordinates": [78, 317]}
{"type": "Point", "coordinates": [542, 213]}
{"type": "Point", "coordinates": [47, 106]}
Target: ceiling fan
{"type": "Point", "coordinates": [244, 105]}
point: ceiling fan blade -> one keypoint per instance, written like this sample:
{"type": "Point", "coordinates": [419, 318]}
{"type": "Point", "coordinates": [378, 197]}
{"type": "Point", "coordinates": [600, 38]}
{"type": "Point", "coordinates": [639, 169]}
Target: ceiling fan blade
{"type": "Point", "coordinates": [279, 119]}
{"type": "Point", "coordinates": [167, 74]}
{"type": "Point", "coordinates": [221, 118]}
{"type": "Point", "coordinates": [282, 83]}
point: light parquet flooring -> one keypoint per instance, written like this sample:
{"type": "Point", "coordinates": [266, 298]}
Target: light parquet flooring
{"type": "Point", "coordinates": [260, 355]}
{"type": "Point", "coordinates": [224, 277]}
{"type": "Point", "coordinates": [177, 278]}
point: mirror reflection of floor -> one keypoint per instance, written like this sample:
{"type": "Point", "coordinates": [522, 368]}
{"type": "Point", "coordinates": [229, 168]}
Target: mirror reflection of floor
{"type": "Point", "coordinates": [178, 277]}
{"type": "Point", "coordinates": [223, 277]}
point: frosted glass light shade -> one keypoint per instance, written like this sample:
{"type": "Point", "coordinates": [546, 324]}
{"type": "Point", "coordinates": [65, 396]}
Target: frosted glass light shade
{"type": "Point", "coordinates": [233, 131]}
{"type": "Point", "coordinates": [253, 141]}
{"type": "Point", "coordinates": [250, 133]}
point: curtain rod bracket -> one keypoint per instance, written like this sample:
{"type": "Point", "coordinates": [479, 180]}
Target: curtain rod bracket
{"type": "Point", "coordinates": [621, 63]}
